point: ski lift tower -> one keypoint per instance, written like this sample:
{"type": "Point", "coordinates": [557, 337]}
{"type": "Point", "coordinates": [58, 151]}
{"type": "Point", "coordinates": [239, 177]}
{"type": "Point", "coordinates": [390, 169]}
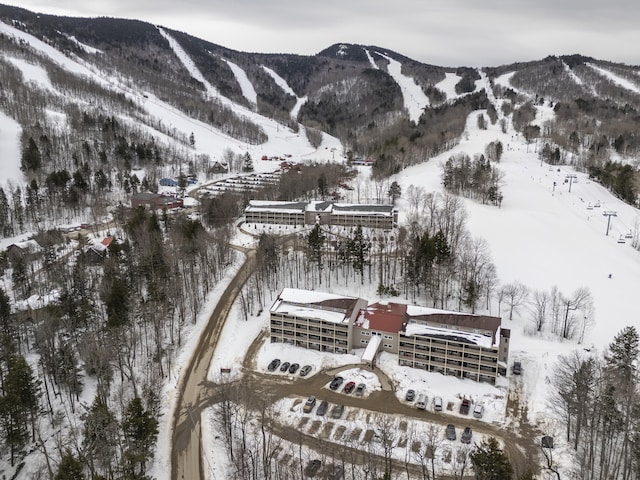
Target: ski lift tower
{"type": "Point", "coordinates": [571, 177]}
{"type": "Point", "coordinates": [609, 214]}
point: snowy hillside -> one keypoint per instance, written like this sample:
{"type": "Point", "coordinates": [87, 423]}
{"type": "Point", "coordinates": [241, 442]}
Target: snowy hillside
{"type": "Point", "coordinates": [209, 140]}
{"type": "Point", "coordinates": [545, 236]}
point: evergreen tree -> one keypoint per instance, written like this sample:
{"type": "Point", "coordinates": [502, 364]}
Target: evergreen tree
{"type": "Point", "coordinates": [19, 403]}
{"type": "Point", "coordinates": [69, 468]}
{"type": "Point", "coordinates": [247, 163]}
{"type": "Point", "coordinates": [140, 430]}
{"type": "Point", "coordinates": [490, 462]}
{"type": "Point", "coordinates": [100, 437]}
{"type": "Point", "coordinates": [622, 359]}
{"type": "Point", "coordinates": [323, 189]}
{"type": "Point", "coordinates": [13, 423]}
{"type": "Point", "coordinates": [443, 252]}
{"type": "Point", "coordinates": [358, 249]}
{"type": "Point", "coordinates": [6, 227]}
{"type": "Point", "coordinates": [117, 303]}
{"type": "Point", "coordinates": [395, 191]}
{"type": "Point", "coordinates": [315, 241]}
{"type": "Point", "coordinates": [31, 158]}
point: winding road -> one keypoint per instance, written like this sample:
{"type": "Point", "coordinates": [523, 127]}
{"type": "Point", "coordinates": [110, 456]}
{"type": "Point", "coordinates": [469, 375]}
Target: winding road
{"type": "Point", "coordinates": [194, 392]}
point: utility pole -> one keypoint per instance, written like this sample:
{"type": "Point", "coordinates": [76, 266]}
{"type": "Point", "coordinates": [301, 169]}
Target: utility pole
{"type": "Point", "coordinates": [609, 214]}
{"type": "Point", "coordinates": [571, 177]}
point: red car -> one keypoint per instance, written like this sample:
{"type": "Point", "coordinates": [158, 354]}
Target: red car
{"type": "Point", "coordinates": [348, 388]}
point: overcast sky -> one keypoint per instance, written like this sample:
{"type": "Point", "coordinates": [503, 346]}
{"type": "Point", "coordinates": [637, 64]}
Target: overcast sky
{"type": "Point", "coordinates": [440, 32]}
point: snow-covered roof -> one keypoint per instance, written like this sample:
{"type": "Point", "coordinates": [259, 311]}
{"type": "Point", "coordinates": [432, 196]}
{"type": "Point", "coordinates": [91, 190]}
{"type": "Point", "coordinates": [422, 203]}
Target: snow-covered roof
{"type": "Point", "coordinates": [416, 311]}
{"type": "Point", "coordinates": [319, 206]}
{"type": "Point", "coordinates": [414, 329]}
{"type": "Point", "coordinates": [29, 245]}
{"type": "Point", "coordinates": [354, 208]}
{"type": "Point", "coordinates": [266, 205]}
{"type": "Point", "coordinates": [312, 304]}
{"type": "Point", "coordinates": [453, 320]}
{"type": "Point", "coordinates": [372, 348]}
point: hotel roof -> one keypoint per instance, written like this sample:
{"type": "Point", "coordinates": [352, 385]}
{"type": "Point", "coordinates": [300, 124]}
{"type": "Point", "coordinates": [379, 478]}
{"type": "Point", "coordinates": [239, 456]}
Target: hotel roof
{"type": "Point", "coordinates": [414, 329]}
{"type": "Point", "coordinates": [384, 317]}
{"type": "Point", "coordinates": [319, 305]}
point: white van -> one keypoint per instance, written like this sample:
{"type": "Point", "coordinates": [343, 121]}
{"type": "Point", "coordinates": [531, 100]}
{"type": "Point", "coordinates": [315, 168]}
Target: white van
{"type": "Point", "coordinates": [478, 410]}
{"type": "Point", "coordinates": [421, 403]}
{"type": "Point", "coordinates": [437, 404]}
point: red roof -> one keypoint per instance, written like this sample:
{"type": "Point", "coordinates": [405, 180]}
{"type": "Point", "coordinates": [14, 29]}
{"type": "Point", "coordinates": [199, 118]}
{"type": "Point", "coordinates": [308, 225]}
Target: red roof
{"type": "Point", "coordinates": [383, 317]}
{"type": "Point", "coordinates": [106, 241]}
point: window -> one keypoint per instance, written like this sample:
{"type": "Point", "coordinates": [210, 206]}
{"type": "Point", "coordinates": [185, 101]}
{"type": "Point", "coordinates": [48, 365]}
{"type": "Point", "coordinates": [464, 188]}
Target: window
{"type": "Point", "coordinates": [365, 333]}
{"type": "Point", "coordinates": [388, 337]}
{"type": "Point", "coordinates": [388, 345]}
{"type": "Point", "coordinates": [363, 341]}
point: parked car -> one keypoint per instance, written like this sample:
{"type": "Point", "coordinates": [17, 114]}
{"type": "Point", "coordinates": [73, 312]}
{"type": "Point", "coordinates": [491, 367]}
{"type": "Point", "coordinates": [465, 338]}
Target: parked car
{"type": "Point", "coordinates": [451, 432]}
{"type": "Point", "coordinates": [322, 408]}
{"type": "Point", "coordinates": [337, 411]}
{"type": "Point", "coordinates": [478, 410]}
{"type": "Point", "coordinates": [335, 383]}
{"type": "Point", "coordinates": [437, 404]}
{"type": "Point", "coordinates": [294, 367]}
{"type": "Point", "coordinates": [410, 396]}
{"type": "Point", "coordinates": [304, 371]}
{"type": "Point", "coordinates": [466, 435]}
{"type": "Point", "coordinates": [285, 366]}
{"type": "Point", "coordinates": [517, 368]}
{"type": "Point", "coordinates": [465, 406]}
{"type": "Point", "coordinates": [348, 388]}
{"type": "Point", "coordinates": [309, 404]}
{"type": "Point", "coordinates": [312, 468]}
{"type": "Point", "coordinates": [421, 403]}
{"type": "Point", "coordinates": [275, 363]}
{"type": "Point", "coordinates": [360, 389]}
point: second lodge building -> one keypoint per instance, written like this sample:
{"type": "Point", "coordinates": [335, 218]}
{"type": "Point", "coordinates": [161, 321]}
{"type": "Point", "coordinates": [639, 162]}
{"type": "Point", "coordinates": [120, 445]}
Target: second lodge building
{"type": "Point", "coordinates": [324, 213]}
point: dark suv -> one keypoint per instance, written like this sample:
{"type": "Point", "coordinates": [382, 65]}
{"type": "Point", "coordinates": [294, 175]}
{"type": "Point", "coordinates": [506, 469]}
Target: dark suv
{"type": "Point", "coordinates": [466, 435]}
{"type": "Point", "coordinates": [517, 368]}
{"type": "Point", "coordinates": [451, 432]}
{"type": "Point", "coordinates": [275, 363]}
{"type": "Point", "coordinates": [335, 383]}
{"type": "Point", "coordinates": [322, 408]}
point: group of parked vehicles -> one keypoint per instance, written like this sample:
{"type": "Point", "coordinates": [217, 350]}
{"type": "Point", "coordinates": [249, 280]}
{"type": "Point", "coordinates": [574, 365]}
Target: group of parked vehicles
{"type": "Point", "coordinates": [421, 400]}
{"type": "Point", "coordinates": [349, 387]}
{"type": "Point", "coordinates": [291, 368]}
{"type": "Point", "coordinates": [450, 431]}
{"type": "Point", "coordinates": [466, 436]}
{"type": "Point", "coordinates": [336, 411]}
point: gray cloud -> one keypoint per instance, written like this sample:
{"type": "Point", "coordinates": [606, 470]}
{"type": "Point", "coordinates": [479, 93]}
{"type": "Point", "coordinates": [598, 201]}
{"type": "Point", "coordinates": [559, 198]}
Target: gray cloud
{"type": "Point", "coordinates": [442, 32]}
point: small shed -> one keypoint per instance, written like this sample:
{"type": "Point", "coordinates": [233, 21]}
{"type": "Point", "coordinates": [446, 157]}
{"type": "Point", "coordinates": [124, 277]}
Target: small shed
{"type": "Point", "coordinates": [547, 442]}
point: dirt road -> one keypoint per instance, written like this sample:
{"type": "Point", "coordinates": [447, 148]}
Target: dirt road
{"type": "Point", "coordinates": [194, 391]}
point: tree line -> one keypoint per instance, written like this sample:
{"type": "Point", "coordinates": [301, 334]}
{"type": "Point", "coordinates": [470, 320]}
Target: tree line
{"type": "Point", "coordinates": [597, 397]}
